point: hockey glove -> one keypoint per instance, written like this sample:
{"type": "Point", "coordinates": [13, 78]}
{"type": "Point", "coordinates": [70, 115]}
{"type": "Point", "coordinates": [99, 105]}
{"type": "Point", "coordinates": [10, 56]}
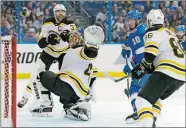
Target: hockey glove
{"type": "Point", "coordinates": [128, 67]}
{"type": "Point", "coordinates": [126, 51]}
{"type": "Point", "coordinates": [53, 38]}
{"type": "Point", "coordinates": [141, 69]}
{"type": "Point", "coordinates": [75, 39]}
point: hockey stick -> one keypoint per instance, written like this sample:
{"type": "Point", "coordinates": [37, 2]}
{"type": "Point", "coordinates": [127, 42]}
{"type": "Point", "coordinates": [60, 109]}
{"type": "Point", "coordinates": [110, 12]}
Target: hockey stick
{"type": "Point", "coordinates": [115, 80]}
{"type": "Point", "coordinates": [127, 90]}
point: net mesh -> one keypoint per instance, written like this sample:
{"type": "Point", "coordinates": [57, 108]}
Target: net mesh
{"type": "Point", "coordinates": [7, 81]}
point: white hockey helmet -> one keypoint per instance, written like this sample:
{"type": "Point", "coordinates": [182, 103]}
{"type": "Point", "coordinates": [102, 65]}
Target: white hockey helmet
{"type": "Point", "coordinates": [93, 36]}
{"type": "Point", "coordinates": [155, 16]}
{"type": "Point", "coordinates": [59, 7]}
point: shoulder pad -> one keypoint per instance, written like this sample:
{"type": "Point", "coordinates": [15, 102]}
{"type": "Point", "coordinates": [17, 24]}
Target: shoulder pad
{"type": "Point", "coordinates": [51, 19]}
{"type": "Point", "coordinates": [141, 28]}
{"type": "Point", "coordinates": [67, 21]}
{"type": "Point", "coordinates": [153, 28]}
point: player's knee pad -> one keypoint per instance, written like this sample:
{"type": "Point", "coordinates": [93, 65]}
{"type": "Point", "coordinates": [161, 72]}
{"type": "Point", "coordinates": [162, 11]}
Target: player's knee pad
{"type": "Point", "coordinates": [144, 111]}
{"type": "Point", "coordinates": [157, 108]}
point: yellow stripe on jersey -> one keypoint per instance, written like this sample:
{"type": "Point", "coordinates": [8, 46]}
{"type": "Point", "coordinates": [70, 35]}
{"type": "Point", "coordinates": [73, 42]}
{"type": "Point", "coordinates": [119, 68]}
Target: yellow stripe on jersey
{"type": "Point", "coordinates": [95, 71]}
{"type": "Point", "coordinates": [151, 47]}
{"type": "Point", "coordinates": [151, 43]}
{"type": "Point", "coordinates": [172, 66]}
{"type": "Point", "coordinates": [62, 24]}
{"type": "Point", "coordinates": [83, 56]}
{"type": "Point", "coordinates": [53, 50]}
{"type": "Point", "coordinates": [78, 79]}
{"type": "Point", "coordinates": [153, 51]}
{"type": "Point", "coordinates": [82, 92]}
{"type": "Point", "coordinates": [58, 49]}
{"type": "Point", "coordinates": [28, 88]}
{"type": "Point", "coordinates": [47, 23]}
{"type": "Point", "coordinates": [161, 29]}
{"type": "Point", "coordinates": [171, 69]}
{"type": "Point", "coordinates": [173, 63]}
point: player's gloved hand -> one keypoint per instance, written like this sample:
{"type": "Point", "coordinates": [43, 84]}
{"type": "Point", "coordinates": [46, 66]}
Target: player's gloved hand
{"type": "Point", "coordinates": [53, 38]}
{"type": "Point", "coordinates": [128, 67]}
{"type": "Point", "coordinates": [141, 69]}
{"type": "Point", "coordinates": [126, 51]}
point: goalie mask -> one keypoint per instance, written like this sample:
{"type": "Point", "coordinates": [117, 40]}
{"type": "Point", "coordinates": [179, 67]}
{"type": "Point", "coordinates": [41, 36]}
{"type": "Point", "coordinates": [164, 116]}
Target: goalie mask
{"type": "Point", "coordinates": [94, 37]}
{"type": "Point", "coordinates": [59, 12]}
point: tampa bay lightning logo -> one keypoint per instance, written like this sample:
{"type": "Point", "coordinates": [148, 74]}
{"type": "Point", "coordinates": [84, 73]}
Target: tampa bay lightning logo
{"type": "Point", "coordinates": [138, 73]}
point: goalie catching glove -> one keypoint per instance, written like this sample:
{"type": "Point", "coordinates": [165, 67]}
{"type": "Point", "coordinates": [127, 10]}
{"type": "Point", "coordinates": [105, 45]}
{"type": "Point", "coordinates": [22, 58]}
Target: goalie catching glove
{"type": "Point", "coordinates": [69, 33]}
{"type": "Point", "coordinates": [141, 69]}
{"type": "Point", "coordinates": [75, 39]}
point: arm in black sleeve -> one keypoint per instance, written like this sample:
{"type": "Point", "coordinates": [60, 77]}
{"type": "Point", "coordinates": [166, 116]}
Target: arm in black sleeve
{"type": "Point", "coordinates": [42, 42]}
{"type": "Point", "coordinates": [149, 58]}
{"type": "Point", "coordinates": [90, 53]}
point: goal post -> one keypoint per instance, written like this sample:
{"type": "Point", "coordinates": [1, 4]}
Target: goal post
{"type": "Point", "coordinates": [8, 81]}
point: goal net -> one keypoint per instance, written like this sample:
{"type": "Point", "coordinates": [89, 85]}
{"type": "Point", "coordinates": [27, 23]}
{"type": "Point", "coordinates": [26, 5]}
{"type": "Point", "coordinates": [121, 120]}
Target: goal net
{"type": "Point", "coordinates": [8, 81]}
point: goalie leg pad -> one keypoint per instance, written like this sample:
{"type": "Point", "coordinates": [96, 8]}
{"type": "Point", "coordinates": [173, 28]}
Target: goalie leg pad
{"type": "Point", "coordinates": [43, 104]}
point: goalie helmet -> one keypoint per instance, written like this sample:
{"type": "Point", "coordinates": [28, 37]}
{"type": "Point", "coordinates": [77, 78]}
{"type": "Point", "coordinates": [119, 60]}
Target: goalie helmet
{"type": "Point", "coordinates": [94, 37]}
{"type": "Point", "coordinates": [154, 17]}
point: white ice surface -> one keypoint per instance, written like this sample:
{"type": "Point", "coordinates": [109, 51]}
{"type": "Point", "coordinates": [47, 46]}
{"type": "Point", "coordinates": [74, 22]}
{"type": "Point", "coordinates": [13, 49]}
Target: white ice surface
{"type": "Point", "coordinates": [110, 110]}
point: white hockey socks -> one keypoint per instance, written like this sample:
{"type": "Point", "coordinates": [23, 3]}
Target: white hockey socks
{"type": "Point", "coordinates": [144, 111]}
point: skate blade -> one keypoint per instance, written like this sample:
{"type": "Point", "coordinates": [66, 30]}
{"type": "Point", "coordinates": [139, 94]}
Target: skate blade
{"type": "Point", "coordinates": [45, 114]}
{"type": "Point", "coordinates": [131, 121]}
{"type": "Point", "coordinates": [74, 118]}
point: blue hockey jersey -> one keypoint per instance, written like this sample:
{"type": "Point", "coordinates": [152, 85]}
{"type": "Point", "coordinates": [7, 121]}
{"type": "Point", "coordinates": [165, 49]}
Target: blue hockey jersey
{"type": "Point", "coordinates": [183, 43]}
{"type": "Point", "coordinates": [136, 42]}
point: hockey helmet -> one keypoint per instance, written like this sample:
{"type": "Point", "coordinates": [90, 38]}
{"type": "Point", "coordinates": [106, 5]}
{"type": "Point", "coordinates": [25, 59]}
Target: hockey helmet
{"type": "Point", "coordinates": [154, 17]}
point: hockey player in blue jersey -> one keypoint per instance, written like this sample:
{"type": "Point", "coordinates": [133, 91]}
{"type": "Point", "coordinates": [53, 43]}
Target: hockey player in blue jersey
{"type": "Point", "coordinates": [134, 46]}
{"type": "Point", "coordinates": [180, 33]}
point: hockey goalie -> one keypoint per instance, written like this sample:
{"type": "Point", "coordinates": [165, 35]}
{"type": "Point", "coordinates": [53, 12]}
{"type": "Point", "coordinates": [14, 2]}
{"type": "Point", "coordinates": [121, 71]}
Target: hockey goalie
{"type": "Point", "coordinates": [74, 82]}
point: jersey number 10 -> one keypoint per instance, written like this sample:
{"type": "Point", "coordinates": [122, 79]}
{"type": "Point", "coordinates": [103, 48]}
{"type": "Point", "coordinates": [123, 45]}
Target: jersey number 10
{"type": "Point", "coordinates": [136, 40]}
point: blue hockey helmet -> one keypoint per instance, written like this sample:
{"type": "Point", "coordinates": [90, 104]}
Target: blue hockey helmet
{"type": "Point", "coordinates": [180, 28]}
{"type": "Point", "coordinates": [134, 14]}
{"type": "Point", "coordinates": [180, 31]}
